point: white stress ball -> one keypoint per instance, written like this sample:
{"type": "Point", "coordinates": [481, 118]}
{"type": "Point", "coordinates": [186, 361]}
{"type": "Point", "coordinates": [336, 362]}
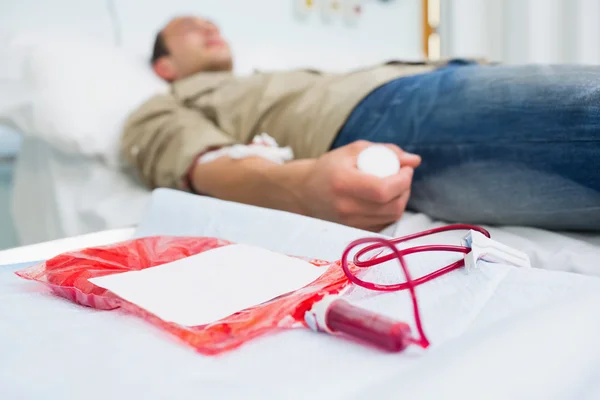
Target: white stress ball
{"type": "Point", "coordinates": [378, 160]}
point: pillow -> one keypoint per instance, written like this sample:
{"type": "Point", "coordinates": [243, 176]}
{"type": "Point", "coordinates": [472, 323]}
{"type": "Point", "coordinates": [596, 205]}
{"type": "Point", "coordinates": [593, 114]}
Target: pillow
{"type": "Point", "coordinates": [82, 92]}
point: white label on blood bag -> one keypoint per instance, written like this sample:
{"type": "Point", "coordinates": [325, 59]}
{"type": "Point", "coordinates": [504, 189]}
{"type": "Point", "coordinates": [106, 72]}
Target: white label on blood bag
{"type": "Point", "coordinates": [211, 285]}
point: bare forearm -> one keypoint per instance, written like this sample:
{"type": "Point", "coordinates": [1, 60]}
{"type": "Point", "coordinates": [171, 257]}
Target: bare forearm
{"type": "Point", "coordinates": [253, 181]}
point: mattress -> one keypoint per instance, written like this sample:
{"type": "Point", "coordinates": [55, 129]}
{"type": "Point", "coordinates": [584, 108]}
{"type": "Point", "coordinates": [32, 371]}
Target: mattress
{"type": "Point", "coordinates": [59, 195]}
{"type": "Point", "coordinates": [9, 147]}
{"type": "Point", "coordinates": [557, 251]}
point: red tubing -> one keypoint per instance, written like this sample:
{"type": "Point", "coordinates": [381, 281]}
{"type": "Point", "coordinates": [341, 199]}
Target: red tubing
{"type": "Point", "coordinates": [381, 331]}
{"type": "Point", "coordinates": [373, 328]}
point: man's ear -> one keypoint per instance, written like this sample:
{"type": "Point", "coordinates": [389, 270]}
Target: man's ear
{"type": "Point", "coordinates": [164, 68]}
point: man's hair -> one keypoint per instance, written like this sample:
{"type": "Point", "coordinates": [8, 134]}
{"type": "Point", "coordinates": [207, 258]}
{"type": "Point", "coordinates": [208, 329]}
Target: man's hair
{"type": "Point", "coordinates": [160, 49]}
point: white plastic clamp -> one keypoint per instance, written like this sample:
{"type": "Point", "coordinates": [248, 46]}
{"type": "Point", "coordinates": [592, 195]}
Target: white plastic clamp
{"type": "Point", "coordinates": [486, 249]}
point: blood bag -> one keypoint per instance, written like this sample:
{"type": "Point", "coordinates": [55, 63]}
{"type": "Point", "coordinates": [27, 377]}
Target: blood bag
{"type": "Point", "coordinates": [68, 276]}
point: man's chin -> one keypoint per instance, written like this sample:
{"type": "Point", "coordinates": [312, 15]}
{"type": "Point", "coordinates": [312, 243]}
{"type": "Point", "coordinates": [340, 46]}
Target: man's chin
{"type": "Point", "coordinates": [221, 63]}
{"type": "Point", "coordinates": [220, 66]}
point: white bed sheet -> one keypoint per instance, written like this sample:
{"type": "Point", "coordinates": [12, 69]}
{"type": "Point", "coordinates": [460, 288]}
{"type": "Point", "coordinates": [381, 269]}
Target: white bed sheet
{"type": "Point", "coordinates": [58, 195]}
{"type": "Point", "coordinates": [497, 333]}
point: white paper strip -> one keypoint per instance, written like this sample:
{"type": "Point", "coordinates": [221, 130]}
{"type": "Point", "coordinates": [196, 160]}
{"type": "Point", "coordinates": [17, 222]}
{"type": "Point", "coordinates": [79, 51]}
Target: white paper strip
{"type": "Point", "coordinates": [212, 285]}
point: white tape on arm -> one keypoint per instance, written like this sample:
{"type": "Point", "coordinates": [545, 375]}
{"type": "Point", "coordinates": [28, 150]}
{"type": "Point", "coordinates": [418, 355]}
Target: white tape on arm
{"type": "Point", "coordinates": [262, 145]}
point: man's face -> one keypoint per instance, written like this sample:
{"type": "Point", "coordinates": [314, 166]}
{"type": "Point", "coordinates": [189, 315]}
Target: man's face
{"type": "Point", "coordinates": [195, 45]}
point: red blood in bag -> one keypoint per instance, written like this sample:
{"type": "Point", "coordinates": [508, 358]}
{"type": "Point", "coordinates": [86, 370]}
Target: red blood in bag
{"type": "Point", "coordinates": [68, 276]}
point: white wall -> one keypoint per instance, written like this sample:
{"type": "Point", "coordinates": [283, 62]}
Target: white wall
{"type": "Point", "coordinates": [522, 31]}
{"type": "Point", "coordinates": [87, 17]}
{"type": "Point", "coordinates": [265, 33]}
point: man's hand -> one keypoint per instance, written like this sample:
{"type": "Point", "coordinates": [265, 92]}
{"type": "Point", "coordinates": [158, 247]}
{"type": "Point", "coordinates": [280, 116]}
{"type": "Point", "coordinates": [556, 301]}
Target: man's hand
{"type": "Point", "coordinates": [330, 187]}
{"type": "Point", "coordinates": [336, 190]}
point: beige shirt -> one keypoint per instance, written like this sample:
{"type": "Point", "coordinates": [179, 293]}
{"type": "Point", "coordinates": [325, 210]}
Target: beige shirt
{"type": "Point", "coordinates": [303, 109]}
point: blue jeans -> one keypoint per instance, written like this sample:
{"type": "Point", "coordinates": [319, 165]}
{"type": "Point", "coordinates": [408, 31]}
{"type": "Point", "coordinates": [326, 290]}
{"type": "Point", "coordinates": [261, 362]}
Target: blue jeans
{"type": "Point", "coordinates": [501, 145]}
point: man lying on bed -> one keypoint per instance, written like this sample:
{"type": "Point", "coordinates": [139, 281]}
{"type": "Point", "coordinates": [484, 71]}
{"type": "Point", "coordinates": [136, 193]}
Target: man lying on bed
{"type": "Point", "coordinates": [496, 144]}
